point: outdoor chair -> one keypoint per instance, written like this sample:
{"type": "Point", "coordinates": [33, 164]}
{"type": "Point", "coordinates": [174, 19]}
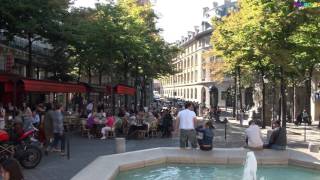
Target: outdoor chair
{"type": "Point", "coordinates": [154, 132]}
{"type": "Point", "coordinates": [84, 130]}
{"type": "Point", "coordinates": [111, 133]}
{"type": "Point", "coordinates": [142, 134]}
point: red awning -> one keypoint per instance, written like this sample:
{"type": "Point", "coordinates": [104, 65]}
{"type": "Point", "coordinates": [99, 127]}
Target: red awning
{"type": "Point", "coordinates": [8, 87]}
{"type": "Point", "coordinates": [52, 86]}
{"type": "Point", "coordinates": [122, 89]}
{"type": "Point", "coordinates": [6, 80]}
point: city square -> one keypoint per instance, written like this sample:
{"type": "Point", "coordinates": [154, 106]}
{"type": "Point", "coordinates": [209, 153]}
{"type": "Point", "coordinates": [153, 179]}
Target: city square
{"type": "Point", "coordinates": [152, 89]}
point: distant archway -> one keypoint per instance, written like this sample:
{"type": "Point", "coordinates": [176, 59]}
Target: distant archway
{"type": "Point", "coordinates": [214, 96]}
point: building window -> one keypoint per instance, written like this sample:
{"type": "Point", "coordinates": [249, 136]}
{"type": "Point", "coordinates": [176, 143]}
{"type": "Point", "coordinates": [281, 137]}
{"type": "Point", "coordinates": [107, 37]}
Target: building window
{"type": "Point", "coordinates": [195, 93]}
{"type": "Point", "coordinates": [191, 61]}
{"type": "Point", "coordinates": [203, 74]}
{"type": "Point", "coordinates": [191, 76]}
{"type": "Point", "coordinates": [187, 93]}
{"type": "Point", "coordinates": [188, 62]}
{"type": "Point", "coordinates": [191, 93]}
{"type": "Point", "coordinates": [196, 76]}
{"type": "Point", "coordinates": [196, 60]}
{"type": "Point", "coordinates": [188, 76]}
{"type": "Point", "coordinates": [184, 93]}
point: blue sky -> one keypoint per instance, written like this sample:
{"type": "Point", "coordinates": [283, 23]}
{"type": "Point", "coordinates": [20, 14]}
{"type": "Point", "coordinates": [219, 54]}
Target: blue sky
{"type": "Point", "coordinates": [177, 17]}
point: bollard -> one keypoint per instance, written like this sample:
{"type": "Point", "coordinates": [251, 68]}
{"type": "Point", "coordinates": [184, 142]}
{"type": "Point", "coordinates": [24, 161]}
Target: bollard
{"type": "Point", "coordinates": [120, 145]}
{"type": "Point", "coordinates": [313, 147]}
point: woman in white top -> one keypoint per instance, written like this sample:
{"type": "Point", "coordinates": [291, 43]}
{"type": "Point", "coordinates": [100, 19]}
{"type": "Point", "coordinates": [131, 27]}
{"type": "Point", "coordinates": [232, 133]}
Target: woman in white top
{"type": "Point", "coordinates": [254, 136]}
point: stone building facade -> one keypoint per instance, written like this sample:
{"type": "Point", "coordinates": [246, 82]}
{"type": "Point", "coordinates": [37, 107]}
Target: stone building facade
{"type": "Point", "coordinates": [193, 81]}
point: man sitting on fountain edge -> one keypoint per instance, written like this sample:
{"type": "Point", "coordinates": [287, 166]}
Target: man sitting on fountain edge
{"type": "Point", "coordinates": [278, 140]}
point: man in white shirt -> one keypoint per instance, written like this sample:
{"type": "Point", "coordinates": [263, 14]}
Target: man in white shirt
{"type": "Point", "coordinates": [253, 136]}
{"type": "Point", "coordinates": [186, 121]}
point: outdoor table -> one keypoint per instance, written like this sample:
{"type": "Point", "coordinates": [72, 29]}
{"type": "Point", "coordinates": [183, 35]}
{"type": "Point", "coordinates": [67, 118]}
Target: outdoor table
{"type": "Point", "coordinates": [72, 122]}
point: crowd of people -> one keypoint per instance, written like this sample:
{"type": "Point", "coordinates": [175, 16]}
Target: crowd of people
{"type": "Point", "coordinates": [128, 122]}
{"type": "Point", "coordinates": [49, 120]}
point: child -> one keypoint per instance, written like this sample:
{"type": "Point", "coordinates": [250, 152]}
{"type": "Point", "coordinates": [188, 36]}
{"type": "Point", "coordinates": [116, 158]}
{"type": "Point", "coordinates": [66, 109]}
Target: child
{"type": "Point", "coordinates": [205, 136]}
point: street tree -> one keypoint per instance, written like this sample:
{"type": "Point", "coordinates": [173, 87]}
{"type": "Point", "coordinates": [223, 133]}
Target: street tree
{"type": "Point", "coordinates": [34, 20]}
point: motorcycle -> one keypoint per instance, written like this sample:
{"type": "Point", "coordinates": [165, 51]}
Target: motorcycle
{"type": "Point", "coordinates": [22, 148]}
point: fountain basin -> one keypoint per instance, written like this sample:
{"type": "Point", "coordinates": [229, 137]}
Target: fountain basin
{"type": "Point", "coordinates": [211, 172]}
{"type": "Point", "coordinates": [108, 167]}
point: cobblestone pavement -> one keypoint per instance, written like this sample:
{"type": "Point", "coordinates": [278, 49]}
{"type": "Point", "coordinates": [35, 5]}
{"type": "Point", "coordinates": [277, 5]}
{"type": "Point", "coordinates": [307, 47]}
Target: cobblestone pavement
{"type": "Point", "coordinates": [84, 151]}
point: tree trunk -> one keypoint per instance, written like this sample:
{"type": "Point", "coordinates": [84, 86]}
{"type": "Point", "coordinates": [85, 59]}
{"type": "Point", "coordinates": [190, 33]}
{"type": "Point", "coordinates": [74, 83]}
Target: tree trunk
{"type": "Point", "coordinates": [142, 92]}
{"type": "Point", "coordinates": [89, 82]}
{"type": "Point", "coordinates": [263, 113]}
{"type": "Point", "coordinates": [308, 91]}
{"type": "Point", "coordinates": [294, 113]}
{"type": "Point", "coordinates": [100, 78]}
{"type": "Point", "coordinates": [125, 81]}
{"type": "Point", "coordinates": [38, 73]}
{"type": "Point", "coordinates": [283, 98]}
{"type": "Point", "coordinates": [29, 67]}
{"type": "Point", "coordinates": [100, 84]}
{"type": "Point", "coordinates": [145, 91]}
{"type": "Point", "coordinates": [136, 87]}
{"type": "Point", "coordinates": [239, 86]}
{"type": "Point", "coordinates": [235, 103]}
{"type": "Point", "coordinates": [79, 72]}
{"type": "Point", "coordinates": [273, 96]}
{"type": "Point", "coordinates": [89, 76]}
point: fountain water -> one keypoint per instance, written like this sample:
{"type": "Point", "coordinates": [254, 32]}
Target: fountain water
{"type": "Point", "coordinates": [250, 168]}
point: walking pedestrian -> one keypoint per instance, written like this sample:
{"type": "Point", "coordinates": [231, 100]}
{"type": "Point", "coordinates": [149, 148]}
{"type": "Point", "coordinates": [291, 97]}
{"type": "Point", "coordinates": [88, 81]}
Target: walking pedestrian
{"type": "Point", "coordinates": [186, 121]}
{"type": "Point", "coordinates": [48, 126]}
{"type": "Point", "coordinates": [58, 130]}
{"type": "Point", "coordinates": [241, 117]}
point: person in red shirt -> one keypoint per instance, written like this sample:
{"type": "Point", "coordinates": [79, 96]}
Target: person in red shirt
{"type": "Point", "coordinates": [109, 125]}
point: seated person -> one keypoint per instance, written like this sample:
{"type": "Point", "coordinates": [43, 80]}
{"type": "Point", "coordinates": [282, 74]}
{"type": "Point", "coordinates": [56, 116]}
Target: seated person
{"type": "Point", "coordinates": [278, 139]}
{"type": "Point", "coordinates": [205, 136]}
{"type": "Point", "coordinates": [91, 124]}
{"type": "Point", "coordinates": [138, 124]}
{"type": "Point", "coordinates": [253, 136]}
{"type": "Point", "coordinates": [35, 119]}
{"type": "Point", "coordinates": [101, 116]}
{"type": "Point", "coordinates": [109, 125]}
